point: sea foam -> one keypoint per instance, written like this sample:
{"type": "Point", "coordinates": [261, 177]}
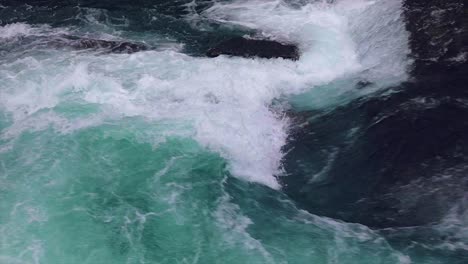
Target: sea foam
{"type": "Point", "coordinates": [226, 101]}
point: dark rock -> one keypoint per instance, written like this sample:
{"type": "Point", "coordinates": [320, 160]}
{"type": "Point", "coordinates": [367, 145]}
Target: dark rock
{"type": "Point", "coordinates": [243, 47]}
{"type": "Point", "coordinates": [111, 46]}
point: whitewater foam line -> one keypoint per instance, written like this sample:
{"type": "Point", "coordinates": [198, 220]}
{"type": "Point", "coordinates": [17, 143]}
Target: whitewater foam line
{"type": "Point", "coordinates": [226, 101]}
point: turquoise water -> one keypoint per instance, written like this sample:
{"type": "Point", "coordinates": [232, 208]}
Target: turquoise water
{"type": "Point", "coordinates": [102, 195]}
{"type": "Point", "coordinates": [163, 157]}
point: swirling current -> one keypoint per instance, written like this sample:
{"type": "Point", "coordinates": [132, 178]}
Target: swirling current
{"type": "Point", "coordinates": [354, 153]}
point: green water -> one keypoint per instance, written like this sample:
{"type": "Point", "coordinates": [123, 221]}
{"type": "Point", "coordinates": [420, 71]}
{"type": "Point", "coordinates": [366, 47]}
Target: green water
{"type": "Point", "coordinates": [102, 195]}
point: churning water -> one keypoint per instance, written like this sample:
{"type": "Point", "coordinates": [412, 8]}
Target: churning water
{"type": "Point", "coordinates": [166, 156]}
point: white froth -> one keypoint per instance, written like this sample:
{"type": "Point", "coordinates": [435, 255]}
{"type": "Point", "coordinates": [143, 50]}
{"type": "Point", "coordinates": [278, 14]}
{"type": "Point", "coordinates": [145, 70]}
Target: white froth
{"type": "Point", "coordinates": [234, 224]}
{"type": "Point", "coordinates": [382, 40]}
{"type": "Point", "coordinates": [225, 100]}
{"type": "Point", "coordinates": [14, 30]}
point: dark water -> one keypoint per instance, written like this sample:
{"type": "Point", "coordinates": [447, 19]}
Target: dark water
{"type": "Point", "coordinates": [356, 153]}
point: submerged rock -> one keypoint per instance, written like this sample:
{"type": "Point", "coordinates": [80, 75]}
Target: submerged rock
{"type": "Point", "coordinates": [111, 46]}
{"type": "Point", "coordinates": [243, 47]}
